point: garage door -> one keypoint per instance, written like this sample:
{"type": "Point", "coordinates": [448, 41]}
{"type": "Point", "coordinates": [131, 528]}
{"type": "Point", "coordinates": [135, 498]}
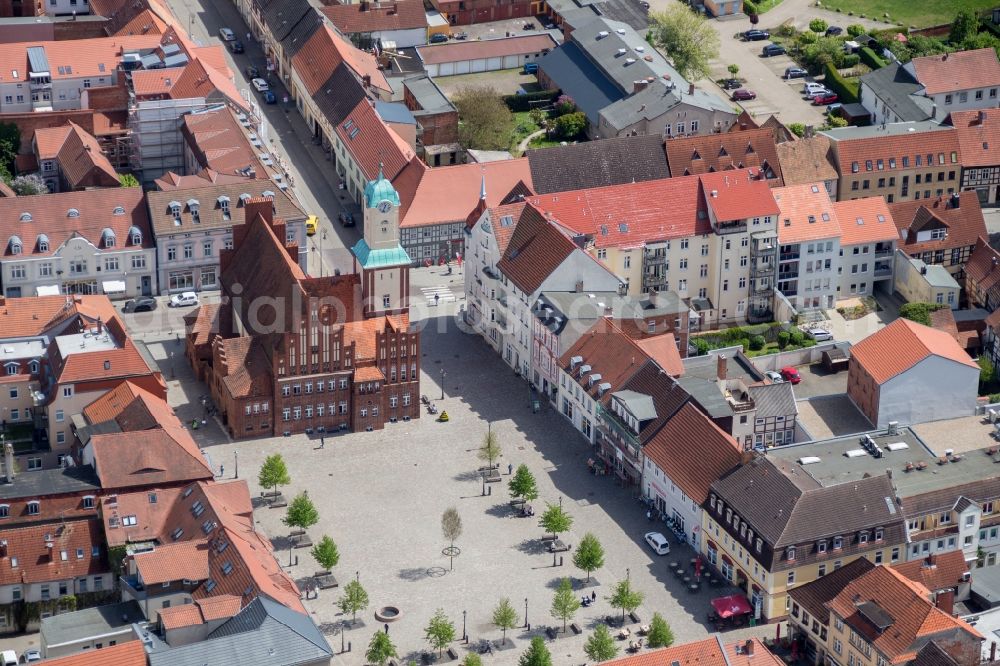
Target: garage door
{"type": "Point", "coordinates": [463, 67]}
{"type": "Point", "coordinates": [495, 63]}
{"type": "Point", "coordinates": [479, 65]}
{"type": "Point", "coordinates": [444, 69]}
{"type": "Point", "coordinates": [511, 61]}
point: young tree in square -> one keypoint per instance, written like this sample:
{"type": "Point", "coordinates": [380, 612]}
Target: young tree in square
{"type": "Point", "coordinates": [355, 599]}
{"type": "Point", "coordinates": [439, 631]}
{"type": "Point", "coordinates": [660, 635]}
{"type": "Point", "coordinates": [273, 473]}
{"type": "Point", "coordinates": [301, 512]}
{"type": "Point", "coordinates": [556, 520]}
{"type": "Point", "coordinates": [601, 644]}
{"type": "Point", "coordinates": [505, 617]}
{"type": "Point", "coordinates": [490, 450]}
{"type": "Point", "coordinates": [451, 526]}
{"type": "Point", "coordinates": [325, 553]}
{"type": "Point", "coordinates": [565, 603]}
{"type": "Point", "coordinates": [472, 659]}
{"type": "Point", "coordinates": [380, 649]}
{"type": "Point", "coordinates": [625, 597]}
{"type": "Point", "coordinates": [589, 555]}
{"type": "Point", "coordinates": [536, 654]}
{"type": "Point", "coordinates": [523, 485]}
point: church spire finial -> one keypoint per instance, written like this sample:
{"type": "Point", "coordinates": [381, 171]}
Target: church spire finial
{"type": "Point", "coordinates": [380, 173]}
{"type": "Point", "coordinates": [482, 185]}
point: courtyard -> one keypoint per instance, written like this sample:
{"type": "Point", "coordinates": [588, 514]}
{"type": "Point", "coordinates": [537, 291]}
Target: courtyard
{"type": "Point", "coordinates": [381, 495]}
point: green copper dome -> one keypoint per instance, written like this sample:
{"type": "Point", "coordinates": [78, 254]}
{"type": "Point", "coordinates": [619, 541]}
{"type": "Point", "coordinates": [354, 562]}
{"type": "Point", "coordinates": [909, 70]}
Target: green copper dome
{"type": "Point", "coordinates": [380, 189]}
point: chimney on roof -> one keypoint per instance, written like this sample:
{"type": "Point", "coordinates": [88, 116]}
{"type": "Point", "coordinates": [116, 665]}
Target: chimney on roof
{"type": "Point", "coordinates": [691, 89]}
{"type": "Point", "coordinates": [956, 200]}
{"type": "Point", "coordinates": [367, 80]}
{"type": "Point", "coordinates": [721, 369]}
{"type": "Point", "coordinates": [639, 85]}
{"type": "Point", "coordinates": [933, 111]}
{"type": "Point", "coordinates": [579, 287]}
{"type": "Point", "coordinates": [945, 601]}
{"type": "Point", "coordinates": [982, 117]}
{"type": "Point", "coordinates": [931, 560]}
{"type": "Point", "coordinates": [8, 461]}
{"type": "Point", "coordinates": [100, 326]}
{"type": "Point", "coordinates": [748, 647]}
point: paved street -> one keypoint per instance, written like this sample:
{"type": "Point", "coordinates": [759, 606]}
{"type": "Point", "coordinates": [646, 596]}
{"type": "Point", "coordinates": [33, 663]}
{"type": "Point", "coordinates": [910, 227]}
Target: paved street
{"type": "Point", "coordinates": [381, 495]}
{"type": "Point", "coordinates": [315, 181]}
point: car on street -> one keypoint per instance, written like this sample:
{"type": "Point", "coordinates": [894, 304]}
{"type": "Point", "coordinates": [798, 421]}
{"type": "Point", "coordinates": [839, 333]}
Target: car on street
{"type": "Point", "coordinates": [731, 84]}
{"type": "Point", "coordinates": [756, 35]}
{"type": "Point", "coordinates": [346, 219]}
{"type": "Point", "coordinates": [269, 97]}
{"type": "Point", "coordinates": [252, 72]}
{"type": "Point", "coordinates": [227, 34]}
{"type": "Point", "coordinates": [236, 47]}
{"type": "Point", "coordinates": [795, 73]}
{"type": "Point", "coordinates": [260, 84]}
{"type": "Point", "coordinates": [775, 377]}
{"type": "Point", "coordinates": [438, 38]}
{"type": "Point", "coordinates": [773, 50]}
{"type": "Point", "coordinates": [31, 656]}
{"type": "Point", "coordinates": [790, 375]}
{"type": "Point", "coordinates": [658, 543]}
{"type": "Point", "coordinates": [811, 87]}
{"type": "Point", "coordinates": [141, 304]}
{"type": "Point", "coordinates": [8, 658]}
{"type": "Point", "coordinates": [818, 92]}
{"type": "Point", "coordinates": [820, 334]}
{"type": "Point", "coordinates": [834, 30]}
{"type": "Point", "coordinates": [743, 95]}
{"type": "Point", "coordinates": [184, 299]}
{"type": "Point", "coordinates": [311, 223]}
{"type": "Point", "coordinates": [826, 98]}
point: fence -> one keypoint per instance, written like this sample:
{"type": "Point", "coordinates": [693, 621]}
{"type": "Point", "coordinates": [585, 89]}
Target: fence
{"type": "Point", "coordinates": [793, 357]}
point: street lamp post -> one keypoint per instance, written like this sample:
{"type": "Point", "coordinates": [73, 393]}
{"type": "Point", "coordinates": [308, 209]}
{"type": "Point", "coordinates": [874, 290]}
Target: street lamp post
{"type": "Point", "coordinates": [465, 636]}
{"type": "Point", "coordinates": [443, 375]}
{"type": "Point", "coordinates": [236, 458]}
{"type": "Point", "coordinates": [526, 612]}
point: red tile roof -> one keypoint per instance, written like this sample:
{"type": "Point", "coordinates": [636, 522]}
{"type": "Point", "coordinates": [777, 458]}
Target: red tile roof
{"type": "Point", "coordinates": [978, 136]}
{"type": "Point", "coordinates": [36, 563]}
{"type": "Point", "coordinates": [131, 653]}
{"type": "Point", "coordinates": [219, 143]}
{"type": "Point", "coordinates": [32, 315]}
{"type": "Point", "coordinates": [96, 57]}
{"type": "Point", "coordinates": [201, 611]}
{"type": "Point", "coordinates": [609, 352]}
{"type": "Point", "coordinates": [377, 17]}
{"type": "Point", "coordinates": [722, 152]}
{"type": "Point", "coordinates": [632, 214]}
{"type": "Point", "coordinates": [151, 518]}
{"type": "Point", "coordinates": [536, 248]}
{"type": "Point", "coordinates": [373, 144]}
{"type": "Point", "coordinates": [450, 193]}
{"type": "Point", "coordinates": [707, 652]}
{"type": "Point", "coordinates": [324, 51]}
{"type": "Point", "coordinates": [184, 560]}
{"type": "Point", "coordinates": [693, 452]}
{"type": "Point", "coordinates": [663, 349]}
{"type": "Point", "coordinates": [906, 602]}
{"type": "Point", "coordinates": [126, 361]}
{"type": "Point", "coordinates": [961, 70]}
{"type": "Point", "coordinates": [865, 220]}
{"type": "Point", "coordinates": [110, 405]}
{"type": "Point", "coordinates": [50, 215]}
{"type": "Point", "coordinates": [738, 195]}
{"type": "Point", "coordinates": [486, 48]}
{"type": "Point", "coordinates": [941, 571]}
{"type": "Point", "coordinates": [807, 160]}
{"type": "Point", "coordinates": [79, 155]}
{"type": "Point", "coordinates": [964, 224]}
{"type": "Point", "coordinates": [901, 345]}
{"type": "Point", "coordinates": [982, 271]}
{"type": "Point", "coordinates": [147, 457]}
{"type": "Point", "coordinates": [806, 214]}
{"type": "Point", "coordinates": [894, 147]}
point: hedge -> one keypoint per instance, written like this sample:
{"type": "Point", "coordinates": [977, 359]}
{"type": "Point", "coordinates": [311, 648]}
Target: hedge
{"type": "Point", "coordinates": [870, 58]}
{"type": "Point", "coordinates": [846, 90]}
{"type": "Point", "coordinates": [517, 103]}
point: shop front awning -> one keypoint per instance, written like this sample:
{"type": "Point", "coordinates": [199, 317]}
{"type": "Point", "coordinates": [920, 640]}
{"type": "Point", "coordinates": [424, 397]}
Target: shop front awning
{"type": "Point", "coordinates": [733, 605]}
{"type": "Point", "coordinates": [113, 286]}
{"type": "Point", "coordinates": [47, 290]}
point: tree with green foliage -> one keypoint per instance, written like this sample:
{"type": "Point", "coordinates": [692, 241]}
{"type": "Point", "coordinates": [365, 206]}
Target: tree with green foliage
{"type": "Point", "coordinates": [564, 104]}
{"type": "Point", "coordinates": [10, 144]}
{"type": "Point", "coordinates": [783, 338]}
{"type": "Point", "coordinates": [354, 599]}
{"type": "Point", "coordinates": [536, 654]}
{"type": "Point", "coordinates": [965, 25]}
{"type": "Point", "coordinates": [660, 635]}
{"type": "Point", "coordinates": [919, 311]}
{"type": "Point", "coordinates": [565, 603]}
{"type": "Point", "coordinates": [472, 659]}
{"type": "Point", "coordinates": [490, 450]}
{"type": "Point", "coordinates": [625, 597]}
{"type": "Point", "coordinates": [757, 342]}
{"type": "Point", "coordinates": [589, 555]}
{"type": "Point", "coordinates": [485, 122]}
{"type": "Point", "coordinates": [451, 527]}
{"type": "Point", "coordinates": [380, 649]}
{"type": "Point", "coordinates": [600, 646]}
{"type": "Point", "coordinates": [523, 485]}
{"type": "Point", "coordinates": [702, 346]}
{"type": "Point", "coordinates": [439, 631]}
{"type": "Point", "coordinates": [818, 25]}
{"type": "Point", "coordinates": [325, 553]}
{"type": "Point", "coordinates": [571, 125]}
{"type": "Point", "coordinates": [301, 512]}
{"type": "Point", "coordinates": [733, 70]}
{"type": "Point", "coordinates": [128, 180]}
{"type": "Point", "coordinates": [855, 30]}
{"type": "Point", "coordinates": [987, 372]}
{"type": "Point", "coordinates": [28, 185]}
{"type": "Point", "coordinates": [555, 520]}
{"type": "Point", "coordinates": [504, 616]}
{"type": "Point", "coordinates": [273, 473]}
{"type": "Point", "coordinates": [836, 121]}
{"type": "Point", "coordinates": [687, 38]}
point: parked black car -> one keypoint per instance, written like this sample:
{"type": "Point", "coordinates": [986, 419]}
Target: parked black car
{"type": "Point", "coordinates": [141, 304]}
{"type": "Point", "coordinates": [346, 219]}
{"type": "Point", "coordinates": [834, 30]}
{"type": "Point", "coordinates": [773, 50]}
{"type": "Point", "coordinates": [731, 84]}
{"type": "Point", "coordinates": [252, 72]}
{"type": "Point", "coordinates": [236, 47]}
{"type": "Point", "coordinates": [756, 35]}
{"type": "Point", "coordinates": [795, 73]}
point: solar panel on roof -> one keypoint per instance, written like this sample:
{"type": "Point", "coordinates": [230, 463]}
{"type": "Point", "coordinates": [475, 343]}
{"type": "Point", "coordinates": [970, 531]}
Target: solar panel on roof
{"type": "Point", "coordinates": [170, 49]}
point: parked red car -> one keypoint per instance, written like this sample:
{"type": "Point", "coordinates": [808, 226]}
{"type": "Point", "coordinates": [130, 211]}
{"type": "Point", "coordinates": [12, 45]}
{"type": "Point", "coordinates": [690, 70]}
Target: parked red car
{"type": "Point", "coordinates": [743, 95]}
{"type": "Point", "coordinates": [791, 375]}
{"type": "Point", "coordinates": [820, 100]}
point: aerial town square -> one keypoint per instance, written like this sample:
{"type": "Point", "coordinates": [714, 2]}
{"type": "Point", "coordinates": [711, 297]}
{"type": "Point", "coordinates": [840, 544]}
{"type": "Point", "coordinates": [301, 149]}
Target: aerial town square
{"type": "Point", "coordinates": [514, 332]}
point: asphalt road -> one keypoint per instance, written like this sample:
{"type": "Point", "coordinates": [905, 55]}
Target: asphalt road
{"type": "Point", "coordinates": [314, 178]}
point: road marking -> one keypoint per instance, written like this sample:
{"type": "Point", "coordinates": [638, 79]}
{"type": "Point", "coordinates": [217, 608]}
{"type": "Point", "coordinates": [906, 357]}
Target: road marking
{"type": "Point", "coordinates": [444, 294]}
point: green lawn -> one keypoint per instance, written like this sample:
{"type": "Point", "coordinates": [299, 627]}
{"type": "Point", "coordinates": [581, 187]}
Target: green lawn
{"type": "Point", "coordinates": [523, 126]}
{"type": "Point", "coordinates": [766, 5]}
{"type": "Point", "coordinates": [921, 13]}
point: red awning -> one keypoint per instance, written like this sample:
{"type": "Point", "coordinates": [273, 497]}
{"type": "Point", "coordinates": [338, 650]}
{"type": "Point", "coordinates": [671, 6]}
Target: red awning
{"type": "Point", "coordinates": [734, 604]}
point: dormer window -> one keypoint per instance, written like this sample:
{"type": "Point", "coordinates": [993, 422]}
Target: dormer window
{"type": "Point", "coordinates": [863, 537]}
{"type": "Point", "coordinates": [790, 553]}
{"type": "Point", "coordinates": [12, 368]}
{"type": "Point", "coordinates": [118, 211]}
{"type": "Point", "coordinates": [33, 367]}
{"type": "Point", "coordinates": [135, 236]}
{"type": "Point", "coordinates": [43, 243]}
{"type": "Point", "coordinates": [821, 547]}
{"type": "Point", "coordinates": [16, 246]}
{"type": "Point", "coordinates": [34, 508]}
{"type": "Point", "coordinates": [108, 238]}
{"type": "Point", "coordinates": [879, 534]}
{"type": "Point", "coordinates": [72, 212]}
{"type": "Point", "coordinates": [224, 206]}
{"type": "Point", "coordinates": [838, 543]}
{"type": "Point", "coordinates": [175, 209]}
{"type": "Point", "coordinates": [25, 217]}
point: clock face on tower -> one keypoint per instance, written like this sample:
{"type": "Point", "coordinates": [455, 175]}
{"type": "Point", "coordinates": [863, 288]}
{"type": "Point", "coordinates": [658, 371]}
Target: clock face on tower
{"type": "Point", "coordinates": [384, 206]}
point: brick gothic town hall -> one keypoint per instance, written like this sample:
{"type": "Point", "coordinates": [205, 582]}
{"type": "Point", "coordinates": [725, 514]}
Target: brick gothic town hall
{"type": "Point", "coordinates": [285, 352]}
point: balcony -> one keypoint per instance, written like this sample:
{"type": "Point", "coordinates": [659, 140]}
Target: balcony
{"type": "Point", "coordinates": [883, 252]}
{"type": "Point", "coordinates": [734, 227]}
{"type": "Point", "coordinates": [615, 429]}
{"type": "Point", "coordinates": [655, 259]}
{"type": "Point", "coordinates": [883, 273]}
{"type": "Point", "coordinates": [491, 273]}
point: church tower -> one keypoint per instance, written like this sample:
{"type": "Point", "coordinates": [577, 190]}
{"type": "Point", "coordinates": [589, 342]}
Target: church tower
{"type": "Point", "coordinates": [380, 259]}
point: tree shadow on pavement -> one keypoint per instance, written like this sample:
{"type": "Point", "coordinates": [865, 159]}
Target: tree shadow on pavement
{"type": "Point", "coordinates": [532, 547]}
{"type": "Point", "coordinates": [503, 510]}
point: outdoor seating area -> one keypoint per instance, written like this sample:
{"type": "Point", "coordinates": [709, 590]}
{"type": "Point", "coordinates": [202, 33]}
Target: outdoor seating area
{"type": "Point", "coordinates": [730, 612]}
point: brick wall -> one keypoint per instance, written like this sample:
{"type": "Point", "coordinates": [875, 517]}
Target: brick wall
{"type": "Point", "coordinates": [863, 390]}
{"type": "Point", "coordinates": [438, 128]}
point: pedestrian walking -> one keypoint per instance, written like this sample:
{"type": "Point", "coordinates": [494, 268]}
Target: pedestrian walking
{"type": "Point", "coordinates": [510, 469]}
{"type": "Point", "coordinates": [248, 37]}
{"type": "Point", "coordinates": [593, 595]}
{"type": "Point", "coordinates": [222, 470]}
{"type": "Point", "coordinates": [387, 628]}
{"type": "Point", "coordinates": [322, 442]}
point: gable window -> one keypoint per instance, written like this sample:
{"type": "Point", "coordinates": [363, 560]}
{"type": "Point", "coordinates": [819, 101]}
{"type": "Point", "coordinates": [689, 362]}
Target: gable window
{"type": "Point", "coordinates": [34, 507]}
{"type": "Point", "coordinates": [790, 553]}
